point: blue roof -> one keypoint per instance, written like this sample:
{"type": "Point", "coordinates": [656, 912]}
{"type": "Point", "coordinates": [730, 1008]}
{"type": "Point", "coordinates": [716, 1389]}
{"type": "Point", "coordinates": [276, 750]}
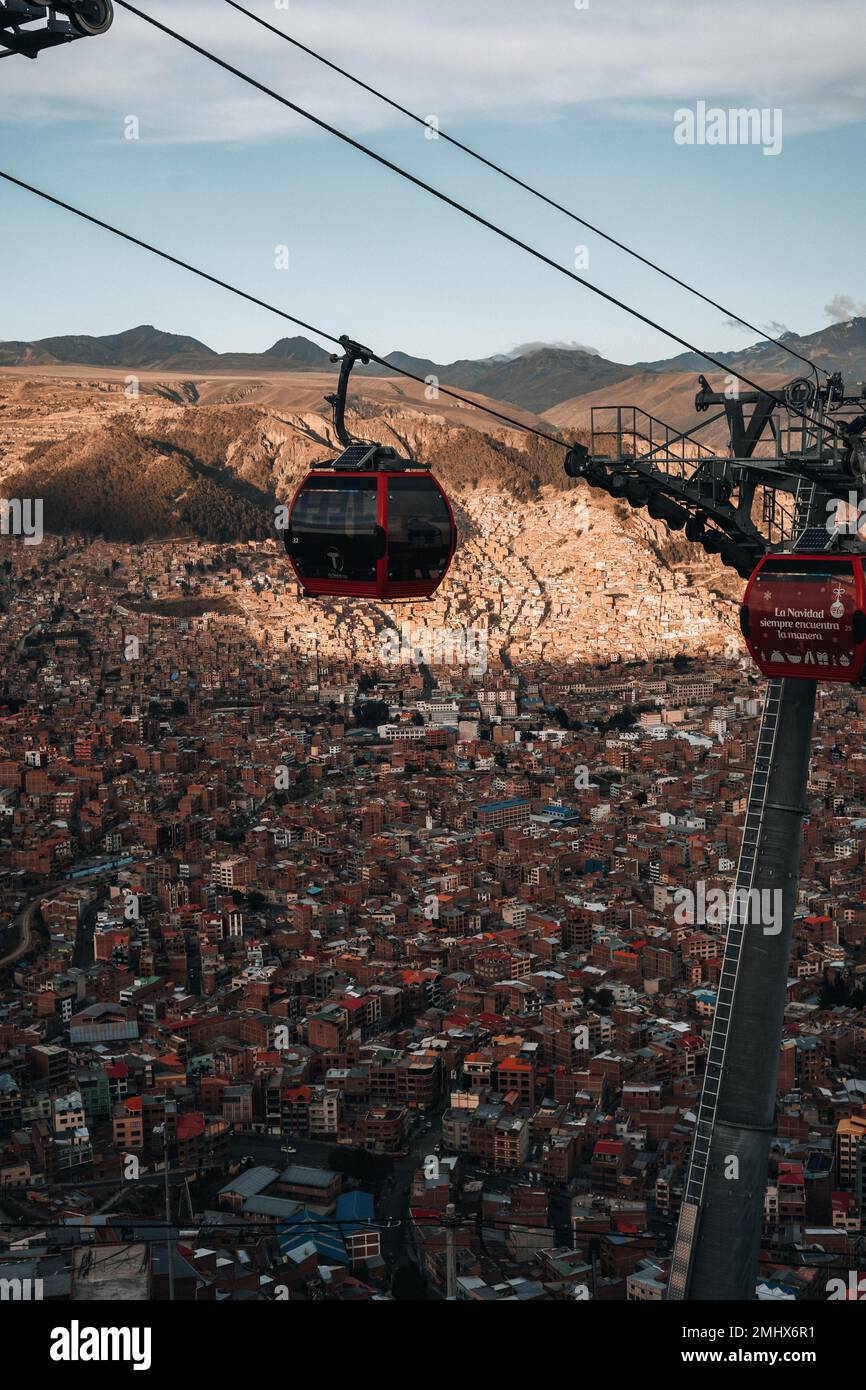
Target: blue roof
{"type": "Point", "coordinates": [354, 1206]}
{"type": "Point", "coordinates": [503, 805]}
{"type": "Point", "coordinates": [307, 1227]}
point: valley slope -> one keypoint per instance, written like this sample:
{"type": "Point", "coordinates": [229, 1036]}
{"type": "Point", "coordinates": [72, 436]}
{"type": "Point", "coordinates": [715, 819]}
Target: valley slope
{"type": "Point", "coordinates": [546, 568]}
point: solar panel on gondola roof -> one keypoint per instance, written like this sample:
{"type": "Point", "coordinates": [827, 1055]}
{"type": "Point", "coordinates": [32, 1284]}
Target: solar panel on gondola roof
{"type": "Point", "coordinates": [355, 456]}
{"type": "Point", "coordinates": [814, 538]}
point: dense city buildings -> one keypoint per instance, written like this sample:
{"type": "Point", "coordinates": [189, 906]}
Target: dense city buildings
{"type": "Point", "coordinates": [386, 961]}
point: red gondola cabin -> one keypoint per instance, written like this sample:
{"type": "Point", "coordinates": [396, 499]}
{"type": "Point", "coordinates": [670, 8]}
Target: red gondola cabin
{"type": "Point", "coordinates": [804, 615]}
{"type": "Point", "coordinates": [370, 525]}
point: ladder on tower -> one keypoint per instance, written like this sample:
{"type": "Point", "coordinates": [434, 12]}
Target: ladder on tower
{"type": "Point", "coordinates": [737, 923]}
{"type": "Point", "coordinates": [807, 534]}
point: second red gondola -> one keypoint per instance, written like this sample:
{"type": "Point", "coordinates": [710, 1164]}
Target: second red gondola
{"type": "Point", "coordinates": [804, 615]}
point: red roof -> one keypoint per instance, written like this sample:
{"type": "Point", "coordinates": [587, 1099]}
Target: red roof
{"type": "Point", "coordinates": [791, 1175]}
{"type": "Point", "coordinates": [190, 1126]}
{"type": "Point", "coordinates": [423, 1216]}
{"type": "Point", "coordinates": [300, 1093]}
{"type": "Point", "coordinates": [844, 1201]}
{"type": "Point", "coordinates": [608, 1146]}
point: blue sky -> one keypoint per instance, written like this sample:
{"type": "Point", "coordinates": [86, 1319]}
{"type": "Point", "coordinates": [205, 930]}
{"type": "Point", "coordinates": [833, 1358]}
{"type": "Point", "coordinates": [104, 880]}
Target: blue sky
{"type": "Point", "coordinates": [579, 102]}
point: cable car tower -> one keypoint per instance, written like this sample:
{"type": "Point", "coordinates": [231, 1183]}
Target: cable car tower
{"type": "Point", "coordinates": [767, 509]}
{"type": "Point", "coordinates": [66, 20]}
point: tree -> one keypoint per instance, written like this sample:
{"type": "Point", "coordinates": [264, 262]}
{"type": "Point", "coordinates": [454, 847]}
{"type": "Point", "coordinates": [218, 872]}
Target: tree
{"type": "Point", "coordinates": [832, 995]}
{"type": "Point", "coordinates": [409, 1285]}
{"type": "Point", "coordinates": [371, 713]}
{"type": "Point", "coordinates": [620, 722]}
{"type": "Point", "coordinates": [360, 1164]}
{"type": "Point", "coordinates": [601, 999]}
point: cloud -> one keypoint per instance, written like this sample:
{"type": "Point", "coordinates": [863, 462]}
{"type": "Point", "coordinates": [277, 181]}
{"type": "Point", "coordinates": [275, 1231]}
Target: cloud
{"type": "Point", "coordinates": [773, 329]}
{"type": "Point", "coordinates": [505, 59]}
{"type": "Point", "coordinates": [843, 307]}
{"type": "Point", "coordinates": [526, 348]}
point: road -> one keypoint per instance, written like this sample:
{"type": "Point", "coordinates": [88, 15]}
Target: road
{"type": "Point", "coordinates": [25, 922]}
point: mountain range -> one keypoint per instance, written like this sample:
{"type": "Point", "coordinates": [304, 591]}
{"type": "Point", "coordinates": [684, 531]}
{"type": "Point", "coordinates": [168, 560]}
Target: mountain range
{"type": "Point", "coordinates": [538, 379]}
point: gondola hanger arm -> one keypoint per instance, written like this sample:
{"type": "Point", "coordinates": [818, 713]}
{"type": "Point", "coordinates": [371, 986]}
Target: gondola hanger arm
{"type": "Point", "coordinates": [352, 352]}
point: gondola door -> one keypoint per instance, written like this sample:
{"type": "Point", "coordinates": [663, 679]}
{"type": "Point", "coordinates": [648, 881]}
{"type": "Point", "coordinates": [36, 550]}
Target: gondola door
{"type": "Point", "coordinates": [421, 535]}
{"type": "Point", "coordinates": [336, 537]}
